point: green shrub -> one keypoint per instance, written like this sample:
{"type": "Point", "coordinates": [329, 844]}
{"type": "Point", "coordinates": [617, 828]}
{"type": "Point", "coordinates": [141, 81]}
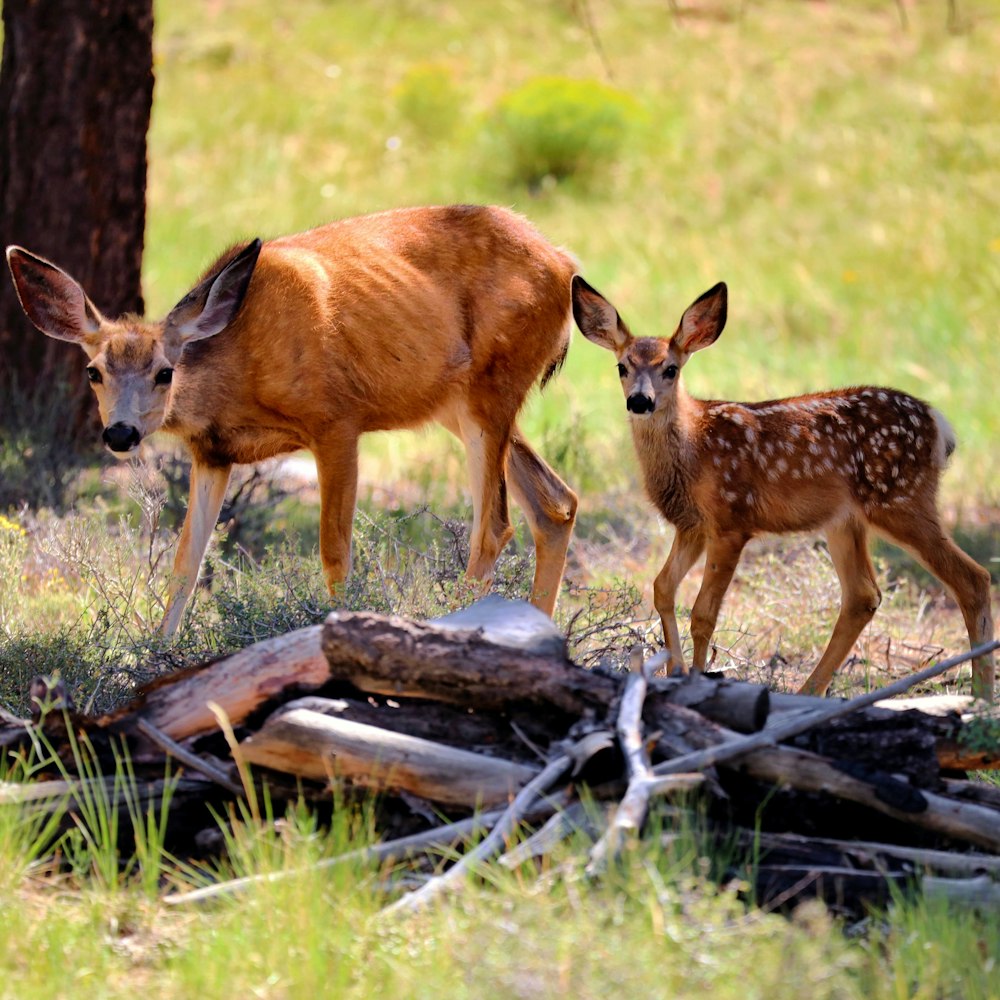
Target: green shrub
{"type": "Point", "coordinates": [429, 100]}
{"type": "Point", "coordinates": [42, 446]}
{"type": "Point", "coordinates": [559, 127]}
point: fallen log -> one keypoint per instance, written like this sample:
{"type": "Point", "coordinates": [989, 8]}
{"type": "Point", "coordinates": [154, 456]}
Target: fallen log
{"type": "Point", "coordinates": [450, 661]}
{"type": "Point", "coordinates": [871, 854]}
{"type": "Point", "coordinates": [406, 659]}
{"type": "Point", "coordinates": [178, 704]}
{"type": "Point", "coordinates": [310, 744]}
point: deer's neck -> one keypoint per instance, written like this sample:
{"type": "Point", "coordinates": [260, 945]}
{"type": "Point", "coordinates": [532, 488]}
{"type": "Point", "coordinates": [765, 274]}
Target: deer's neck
{"type": "Point", "coordinates": [664, 444]}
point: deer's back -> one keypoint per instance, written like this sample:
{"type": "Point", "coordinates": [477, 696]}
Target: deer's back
{"type": "Point", "coordinates": [381, 321]}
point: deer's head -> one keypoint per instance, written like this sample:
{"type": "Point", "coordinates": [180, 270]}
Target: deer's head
{"type": "Point", "coordinates": [649, 367]}
{"type": "Point", "coordinates": [130, 362]}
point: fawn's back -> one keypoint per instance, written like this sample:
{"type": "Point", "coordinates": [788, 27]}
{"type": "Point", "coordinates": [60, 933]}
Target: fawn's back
{"type": "Point", "coordinates": [844, 461]}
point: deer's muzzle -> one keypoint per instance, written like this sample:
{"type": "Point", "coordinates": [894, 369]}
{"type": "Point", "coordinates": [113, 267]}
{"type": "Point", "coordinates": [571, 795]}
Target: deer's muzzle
{"type": "Point", "coordinates": [640, 403]}
{"type": "Point", "coordinates": [121, 437]}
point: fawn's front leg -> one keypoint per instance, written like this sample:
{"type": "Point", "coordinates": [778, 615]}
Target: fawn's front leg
{"type": "Point", "coordinates": [720, 563]}
{"type": "Point", "coordinates": [687, 546]}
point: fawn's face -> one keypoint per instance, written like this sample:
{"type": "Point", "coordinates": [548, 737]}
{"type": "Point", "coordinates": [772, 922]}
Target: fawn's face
{"type": "Point", "coordinates": [130, 363]}
{"type": "Point", "coordinates": [649, 367]}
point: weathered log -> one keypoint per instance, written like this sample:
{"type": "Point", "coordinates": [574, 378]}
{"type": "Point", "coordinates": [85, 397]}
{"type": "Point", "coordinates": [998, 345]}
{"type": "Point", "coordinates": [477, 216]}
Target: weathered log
{"type": "Point", "coordinates": [62, 795]}
{"type": "Point", "coordinates": [979, 892]}
{"type": "Point", "coordinates": [301, 741]}
{"type": "Point", "coordinates": [963, 821]}
{"type": "Point", "coordinates": [739, 706]}
{"type": "Point", "coordinates": [489, 670]}
{"type": "Point", "coordinates": [871, 854]}
{"type": "Point", "coordinates": [177, 704]}
{"type": "Point", "coordinates": [498, 734]}
{"type": "Point", "coordinates": [406, 659]}
{"type": "Point", "coordinates": [805, 771]}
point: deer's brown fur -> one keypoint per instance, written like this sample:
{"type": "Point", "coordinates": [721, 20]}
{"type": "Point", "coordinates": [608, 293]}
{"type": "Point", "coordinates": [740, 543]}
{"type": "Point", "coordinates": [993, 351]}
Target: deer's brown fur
{"type": "Point", "coordinates": [845, 462]}
{"type": "Point", "coordinates": [385, 321]}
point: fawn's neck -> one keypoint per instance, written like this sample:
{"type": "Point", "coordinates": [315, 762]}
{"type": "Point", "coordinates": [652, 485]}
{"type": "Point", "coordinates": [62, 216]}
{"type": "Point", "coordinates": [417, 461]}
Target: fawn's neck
{"type": "Point", "coordinates": [664, 442]}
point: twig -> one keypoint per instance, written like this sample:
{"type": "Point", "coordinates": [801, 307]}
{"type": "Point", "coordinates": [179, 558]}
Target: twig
{"type": "Point", "coordinates": [191, 760]}
{"type": "Point", "coordinates": [557, 828]}
{"type": "Point", "coordinates": [400, 848]}
{"type": "Point", "coordinates": [511, 816]}
{"type": "Point", "coordinates": [634, 804]}
{"type": "Point", "coordinates": [587, 17]}
{"type": "Point", "coordinates": [800, 723]}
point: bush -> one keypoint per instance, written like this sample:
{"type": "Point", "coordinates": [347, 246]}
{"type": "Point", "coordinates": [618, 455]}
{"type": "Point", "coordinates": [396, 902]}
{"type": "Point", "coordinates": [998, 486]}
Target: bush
{"type": "Point", "coordinates": [42, 447]}
{"type": "Point", "coordinates": [558, 127]}
{"type": "Point", "coordinates": [429, 100]}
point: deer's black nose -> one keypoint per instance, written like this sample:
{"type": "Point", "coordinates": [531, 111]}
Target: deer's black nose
{"type": "Point", "coordinates": [121, 437]}
{"type": "Point", "coordinates": [640, 403]}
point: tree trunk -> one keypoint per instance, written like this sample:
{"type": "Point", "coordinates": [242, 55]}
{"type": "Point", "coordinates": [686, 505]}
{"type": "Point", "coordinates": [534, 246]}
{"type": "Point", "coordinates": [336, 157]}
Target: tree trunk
{"type": "Point", "coordinates": [76, 87]}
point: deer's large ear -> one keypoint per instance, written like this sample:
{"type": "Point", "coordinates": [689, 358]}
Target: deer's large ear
{"type": "Point", "coordinates": [703, 320]}
{"type": "Point", "coordinates": [213, 304]}
{"type": "Point", "coordinates": [597, 318]}
{"type": "Point", "coordinates": [51, 299]}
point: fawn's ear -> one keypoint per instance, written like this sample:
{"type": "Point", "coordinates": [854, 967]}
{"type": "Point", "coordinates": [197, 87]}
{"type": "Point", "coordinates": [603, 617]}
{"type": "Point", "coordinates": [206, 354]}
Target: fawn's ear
{"type": "Point", "coordinates": [703, 320]}
{"type": "Point", "coordinates": [52, 300]}
{"type": "Point", "coordinates": [597, 318]}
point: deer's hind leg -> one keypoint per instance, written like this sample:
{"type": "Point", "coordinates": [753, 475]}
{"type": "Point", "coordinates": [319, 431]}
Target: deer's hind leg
{"type": "Point", "coordinates": [920, 532]}
{"type": "Point", "coordinates": [549, 506]}
{"type": "Point", "coordinates": [486, 446]}
{"type": "Point", "coordinates": [859, 599]}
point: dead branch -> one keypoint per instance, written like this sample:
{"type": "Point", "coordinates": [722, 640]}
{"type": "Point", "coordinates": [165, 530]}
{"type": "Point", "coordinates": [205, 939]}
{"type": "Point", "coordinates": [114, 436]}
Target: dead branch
{"type": "Point", "coordinates": [301, 741]}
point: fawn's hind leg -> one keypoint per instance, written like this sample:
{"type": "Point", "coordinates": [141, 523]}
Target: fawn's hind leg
{"type": "Point", "coordinates": [859, 597]}
{"type": "Point", "coordinates": [921, 534]}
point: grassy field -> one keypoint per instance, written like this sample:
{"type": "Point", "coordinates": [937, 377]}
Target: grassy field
{"type": "Point", "coordinates": [841, 171]}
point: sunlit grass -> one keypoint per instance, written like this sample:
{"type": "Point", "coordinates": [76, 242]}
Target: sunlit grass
{"type": "Point", "coordinates": [840, 173]}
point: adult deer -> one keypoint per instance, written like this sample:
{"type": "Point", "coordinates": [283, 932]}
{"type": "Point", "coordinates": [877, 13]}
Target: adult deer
{"type": "Point", "coordinates": [846, 461]}
{"type": "Point", "coordinates": [383, 321]}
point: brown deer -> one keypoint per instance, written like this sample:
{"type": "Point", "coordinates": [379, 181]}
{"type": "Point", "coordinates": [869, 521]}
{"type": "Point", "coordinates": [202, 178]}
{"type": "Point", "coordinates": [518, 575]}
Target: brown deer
{"type": "Point", "coordinates": [391, 320]}
{"type": "Point", "coordinates": [845, 461]}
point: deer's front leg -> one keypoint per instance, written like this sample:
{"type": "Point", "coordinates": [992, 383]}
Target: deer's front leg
{"type": "Point", "coordinates": [337, 469]}
{"type": "Point", "coordinates": [720, 563]}
{"type": "Point", "coordinates": [684, 552]}
{"type": "Point", "coordinates": [206, 494]}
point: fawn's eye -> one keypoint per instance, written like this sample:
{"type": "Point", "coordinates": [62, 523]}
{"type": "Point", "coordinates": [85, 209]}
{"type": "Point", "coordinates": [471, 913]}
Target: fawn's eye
{"type": "Point", "coordinates": [622, 371]}
{"type": "Point", "coordinates": [670, 372]}
{"type": "Point", "coordinates": [94, 375]}
{"type": "Point", "coordinates": [164, 376]}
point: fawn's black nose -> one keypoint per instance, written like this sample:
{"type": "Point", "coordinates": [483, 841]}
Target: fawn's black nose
{"type": "Point", "coordinates": [640, 403]}
{"type": "Point", "coordinates": [121, 437]}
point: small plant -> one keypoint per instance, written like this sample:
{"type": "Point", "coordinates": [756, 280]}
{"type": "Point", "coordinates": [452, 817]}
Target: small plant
{"type": "Point", "coordinates": [429, 100]}
{"type": "Point", "coordinates": [559, 127]}
{"type": "Point", "coordinates": [42, 448]}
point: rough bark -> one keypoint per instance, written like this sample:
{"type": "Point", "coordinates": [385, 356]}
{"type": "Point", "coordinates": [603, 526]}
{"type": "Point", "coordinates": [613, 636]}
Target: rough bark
{"type": "Point", "coordinates": [76, 88]}
{"type": "Point", "coordinates": [314, 745]}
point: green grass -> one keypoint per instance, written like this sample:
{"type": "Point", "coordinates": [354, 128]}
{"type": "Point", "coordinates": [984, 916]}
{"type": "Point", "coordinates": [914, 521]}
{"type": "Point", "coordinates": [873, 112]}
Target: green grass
{"type": "Point", "coordinates": [649, 928]}
{"type": "Point", "coordinates": [840, 173]}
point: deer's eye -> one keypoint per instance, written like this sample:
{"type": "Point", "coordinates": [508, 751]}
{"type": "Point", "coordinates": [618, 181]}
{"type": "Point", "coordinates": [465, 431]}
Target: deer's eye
{"type": "Point", "coordinates": [622, 371]}
{"type": "Point", "coordinates": [670, 372]}
{"type": "Point", "coordinates": [164, 376]}
{"type": "Point", "coordinates": [94, 375]}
